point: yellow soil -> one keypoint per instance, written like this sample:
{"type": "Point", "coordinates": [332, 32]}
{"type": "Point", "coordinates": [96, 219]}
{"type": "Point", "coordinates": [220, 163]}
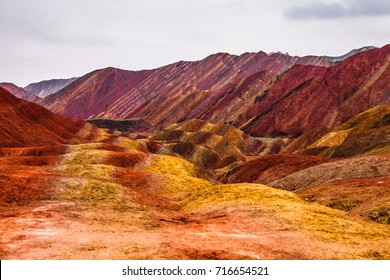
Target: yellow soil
{"type": "Point", "coordinates": [331, 139]}
{"type": "Point", "coordinates": [164, 164]}
{"type": "Point", "coordinates": [132, 144]}
{"type": "Point", "coordinates": [358, 124]}
{"type": "Point", "coordinates": [93, 217]}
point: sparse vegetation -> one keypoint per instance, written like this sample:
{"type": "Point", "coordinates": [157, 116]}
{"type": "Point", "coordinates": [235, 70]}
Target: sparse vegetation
{"type": "Point", "coordinates": [132, 144]}
{"type": "Point", "coordinates": [163, 164]}
{"type": "Point", "coordinates": [381, 215]}
{"type": "Point", "coordinates": [344, 205]}
{"type": "Point", "coordinates": [89, 190]}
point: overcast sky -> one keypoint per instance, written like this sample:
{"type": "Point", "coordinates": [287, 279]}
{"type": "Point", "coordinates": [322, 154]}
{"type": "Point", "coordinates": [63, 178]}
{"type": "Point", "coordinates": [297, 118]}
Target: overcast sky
{"type": "Point", "coordinates": [45, 39]}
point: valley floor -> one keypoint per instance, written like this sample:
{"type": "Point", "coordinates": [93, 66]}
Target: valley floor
{"type": "Point", "coordinates": [58, 230]}
{"type": "Point", "coordinates": [125, 204]}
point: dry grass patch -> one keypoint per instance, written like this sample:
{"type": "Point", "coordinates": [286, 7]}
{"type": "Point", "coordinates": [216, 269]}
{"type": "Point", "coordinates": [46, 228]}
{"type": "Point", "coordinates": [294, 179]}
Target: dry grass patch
{"type": "Point", "coordinates": [335, 138]}
{"type": "Point", "coordinates": [131, 144]}
{"type": "Point", "coordinates": [164, 164]}
{"type": "Point", "coordinates": [89, 190]}
{"type": "Point", "coordinates": [375, 117]}
{"type": "Point", "coordinates": [322, 223]}
{"type": "Point", "coordinates": [97, 171]}
{"type": "Point", "coordinates": [86, 161]}
{"type": "Point", "coordinates": [382, 151]}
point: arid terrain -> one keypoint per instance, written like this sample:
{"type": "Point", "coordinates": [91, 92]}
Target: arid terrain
{"type": "Point", "coordinates": [233, 157]}
{"type": "Point", "coordinates": [108, 200]}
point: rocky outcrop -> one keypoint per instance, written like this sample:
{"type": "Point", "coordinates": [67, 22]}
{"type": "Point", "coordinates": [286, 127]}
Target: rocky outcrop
{"type": "Point", "coordinates": [130, 125]}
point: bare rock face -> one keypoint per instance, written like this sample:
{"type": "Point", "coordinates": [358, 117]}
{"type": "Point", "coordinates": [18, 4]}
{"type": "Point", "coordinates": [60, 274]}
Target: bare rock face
{"type": "Point", "coordinates": [367, 133]}
{"type": "Point", "coordinates": [18, 91]}
{"type": "Point", "coordinates": [93, 93]}
{"type": "Point", "coordinates": [129, 125]}
{"type": "Point", "coordinates": [305, 140]}
{"type": "Point", "coordinates": [45, 88]}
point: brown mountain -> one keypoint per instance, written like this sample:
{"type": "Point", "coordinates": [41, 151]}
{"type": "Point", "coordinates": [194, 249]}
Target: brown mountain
{"type": "Point", "coordinates": [269, 168]}
{"type": "Point", "coordinates": [366, 197]}
{"type": "Point", "coordinates": [360, 167]}
{"type": "Point", "coordinates": [208, 146]}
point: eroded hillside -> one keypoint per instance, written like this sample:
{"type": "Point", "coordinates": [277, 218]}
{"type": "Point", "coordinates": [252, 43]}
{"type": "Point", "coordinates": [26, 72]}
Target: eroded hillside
{"type": "Point", "coordinates": [113, 200]}
{"type": "Point", "coordinates": [190, 177]}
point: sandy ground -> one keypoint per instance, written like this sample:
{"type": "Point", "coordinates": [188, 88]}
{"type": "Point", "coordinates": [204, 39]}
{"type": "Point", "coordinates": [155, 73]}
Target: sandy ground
{"type": "Point", "coordinates": [63, 230]}
{"type": "Point", "coordinates": [115, 211]}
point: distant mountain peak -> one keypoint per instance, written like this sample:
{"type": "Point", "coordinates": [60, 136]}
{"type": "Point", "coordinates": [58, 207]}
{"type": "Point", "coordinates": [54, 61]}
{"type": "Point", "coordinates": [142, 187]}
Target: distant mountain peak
{"type": "Point", "coordinates": [120, 94]}
{"type": "Point", "coordinates": [18, 91]}
{"type": "Point", "coordinates": [48, 87]}
{"type": "Point", "coordinates": [349, 54]}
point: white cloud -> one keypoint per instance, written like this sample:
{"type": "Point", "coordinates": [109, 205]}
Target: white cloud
{"type": "Point", "coordinates": [349, 8]}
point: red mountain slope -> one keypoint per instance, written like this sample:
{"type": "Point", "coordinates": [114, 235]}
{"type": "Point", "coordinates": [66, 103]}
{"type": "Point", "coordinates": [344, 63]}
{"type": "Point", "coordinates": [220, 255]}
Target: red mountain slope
{"type": "Point", "coordinates": [367, 133]}
{"type": "Point", "coordinates": [323, 97]}
{"type": "Point", "coordinates": [18, 92]}
{"type": "Point", "coordinates": [264, 95]}
{"type": "Point", "coordinates": [169, 94]}
{"type": "Point", "coordinates": [269, 168]}
{"type": "Point", "coordinates": [93, 93]}
{"type": "Point", "coordinates": [24, 123]}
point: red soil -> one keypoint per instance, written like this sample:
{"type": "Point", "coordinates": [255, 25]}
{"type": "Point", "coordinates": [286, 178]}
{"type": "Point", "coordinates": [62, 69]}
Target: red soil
{"type": "Point", "coordinates": [269, 168]}
{"type": "Point", "coordinates": [18, 92]}
{"type": "Point", "coordinates": [324, 97]}
{"type": "Point", "coordinates": [23, 124]}
{"type": "Point", "coordinates": [365, 197]}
